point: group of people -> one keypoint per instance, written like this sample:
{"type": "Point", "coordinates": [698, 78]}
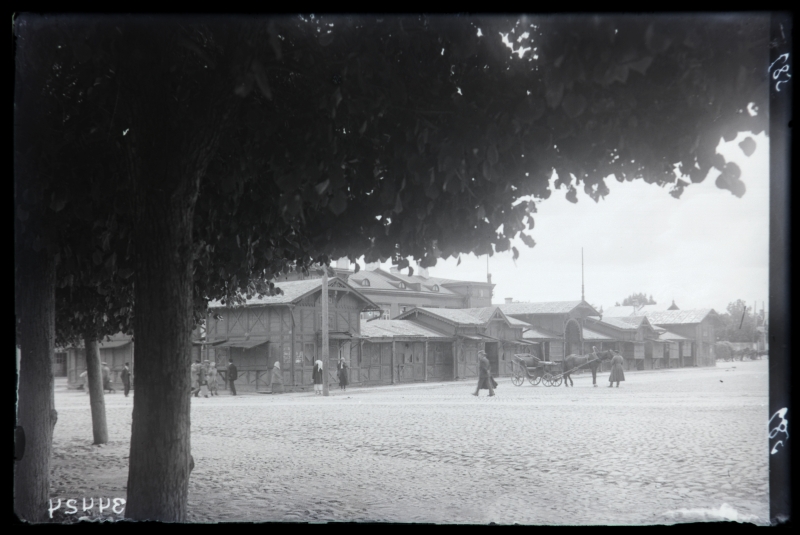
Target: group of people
{"type": "Point", "coordinates": [486, 381]}
{"type": "Point", "coordinates": [205, 379]}
{"type": "Point", "coordinates": [341, 371]}
{"type": "Point", "coordinates": [125, 376]}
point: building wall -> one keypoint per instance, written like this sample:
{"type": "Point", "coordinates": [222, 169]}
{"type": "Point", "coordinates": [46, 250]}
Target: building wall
{"type": "Point", "coordinates": [114, 357]}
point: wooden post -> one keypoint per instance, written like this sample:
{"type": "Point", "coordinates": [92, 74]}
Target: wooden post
{"type": "Point", "coordinates": [325, 348]}
{"type": "Point", "coordinates": [393, 361]}
{"type": "Point", "coordinates": [425, 362]}
{"type": "Point", "coordinates": [455, 358]}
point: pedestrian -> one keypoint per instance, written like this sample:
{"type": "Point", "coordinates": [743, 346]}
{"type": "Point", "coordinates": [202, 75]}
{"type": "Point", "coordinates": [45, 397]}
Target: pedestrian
{"type": "Point", "coordinates": [617, 373]}
{"type": "Point", "coordinates": [85, 377]}
{"type": "Point", "coordinates": [196, 378]}
{"type": "Point", "coordinates": [125, 375]}
{"type": "Point", "coordinates": [485, 379]}
{"type": "Point", "coordinates": [276, 383]}
{"type": "Point", "coordinates": [201, 380]}
{"type": "Point", "coordinates": [341, 368]}
{"type": "Point", "coordinates": [212, 379]}
{"type": "Point", "coordinates": [232, 376]}
{"type": "Point", "coordinates": [107, 379]}
{"type": "Point", "coordinates": [317, 376]}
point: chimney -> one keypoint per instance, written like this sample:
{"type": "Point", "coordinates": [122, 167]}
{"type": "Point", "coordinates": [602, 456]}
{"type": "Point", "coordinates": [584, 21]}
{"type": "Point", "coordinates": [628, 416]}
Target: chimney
{"type": "Point", "coordinates": [489, 278]}
{"type": "Point", "coordinates": [509, 300]}
{"type": "Point", "coordinates": [343, 263]}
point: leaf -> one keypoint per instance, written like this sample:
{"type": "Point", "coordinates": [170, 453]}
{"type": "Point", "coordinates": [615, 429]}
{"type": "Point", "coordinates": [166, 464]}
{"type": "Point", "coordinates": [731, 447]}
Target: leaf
{"type": "Point", "coordinates": [261, 79]}
{"type": "Point", "coordinates": [527, 240]}
{"type": "Point", "coordinates": [357, 268]}
{"type": "Point", "coordinates": [326, 38]}
{"type": "Point", "coordinates": [748, 146]}
{"type": "Point", "coordinates": [410, 271]}
{"type": "Point", "coordinates": [322, 186]}
{"type": "Point", "coordinates": [339, 203]}
{"type": "Point", "coordinates": [398, 205]}
{"type": "Point", "coordinates": [459, 261]}
{"type": "Point", "coordinates": [516, 253]}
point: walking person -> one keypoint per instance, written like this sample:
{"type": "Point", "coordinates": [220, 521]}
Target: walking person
{"type": "Point", "coordinates": [485, 379]}
{"type": "Point", "coordinates": [212, 379]}
{"type": "Point", "coordinates": [107, 378]}
{"type": "Point", "coordinates": [342, 371]}
{"type": "Point", "coordinates": [232, 376]}
{"type": "Point", "coordinates": [317, 376]}
{"type": "Point", "coordinates": [276, 382]}
{"type": "Point", "coordinates": [125, 375]}
{"type": "Point", "coordinates": [85, 377]}
{"type": "Point", "coordinates": [202, 378]}
{"type": "Point", "coordinates": [196, 378]}
{"type": "Point", "coordinates": [617, 373]}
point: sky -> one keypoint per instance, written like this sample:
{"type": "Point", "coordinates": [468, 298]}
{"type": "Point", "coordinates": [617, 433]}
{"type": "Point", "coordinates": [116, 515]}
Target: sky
{"type": "Point", "coordinates": [704, 250]}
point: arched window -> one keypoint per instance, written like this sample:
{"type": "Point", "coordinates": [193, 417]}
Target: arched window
{"type": "Point", "coordinates": [402, 286]}
{"type": "Point", "coordinates": [365, 282]}
{"type": "Point", "coordinates": [435, 287]}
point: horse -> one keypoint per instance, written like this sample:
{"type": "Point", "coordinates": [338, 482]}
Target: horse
{"type": "Point", "coordinates": [577, 362]}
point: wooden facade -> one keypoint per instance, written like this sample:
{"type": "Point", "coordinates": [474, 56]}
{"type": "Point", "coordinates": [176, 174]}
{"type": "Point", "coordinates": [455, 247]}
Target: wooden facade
{"type": "Point", "coordinates": [114, 351]}
{"type": "Point", "coordinates": [287, 329]}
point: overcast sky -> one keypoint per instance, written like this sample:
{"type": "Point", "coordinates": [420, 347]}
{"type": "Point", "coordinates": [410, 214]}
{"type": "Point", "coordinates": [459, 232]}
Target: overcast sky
{"type": "Point", "coordinates": [706, 249]}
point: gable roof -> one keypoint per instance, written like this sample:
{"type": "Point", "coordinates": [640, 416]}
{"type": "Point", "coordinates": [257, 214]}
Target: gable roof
{"type": "Point", "coordinates": [676, 317]}
{"type": "Point", "coordinates": [540, 333]}
{"type": "Point", "coordinates": [589, 334]}
{"type": "Point", "coordinates": [671, 337]}
{"type": "Point", "coordinates": [454, 316]}
{"type": "Point", "coordinates": [391, 328]}
{"type": "Point", "coordinates": [294, 291]}
{"type": "Point", "coordinates": [549, 307]}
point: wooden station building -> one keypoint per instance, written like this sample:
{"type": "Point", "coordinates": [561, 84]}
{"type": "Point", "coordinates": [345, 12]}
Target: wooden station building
{"type": "Point", "coordinates": [114, 350]}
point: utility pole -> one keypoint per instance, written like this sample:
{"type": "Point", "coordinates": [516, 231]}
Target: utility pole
{"type": "Point", "coordinates": [325, 359]}
{"type": "Point", "coordinates": [582, 296]}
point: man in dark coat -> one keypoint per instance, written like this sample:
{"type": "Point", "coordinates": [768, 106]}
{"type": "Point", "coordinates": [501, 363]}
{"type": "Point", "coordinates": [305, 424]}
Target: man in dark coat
{"type": "Point", "coordinates": [617, 373]}
{"type": "Point", "coordinates": [125, 375]}
{"type": "Point", "coordinates": [485, 379]}
{"type": "Point", "coordinates": [232, 376]}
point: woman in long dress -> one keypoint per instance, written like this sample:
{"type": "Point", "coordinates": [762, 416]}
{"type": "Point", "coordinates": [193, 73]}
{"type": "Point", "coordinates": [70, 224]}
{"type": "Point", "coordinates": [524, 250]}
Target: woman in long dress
{"type": "Point", "coordinates": [317, 375]}
{"type": "Point", "coordinates": [276, 384]}
{"type": "Point", "coordinates": [617, 373]}
{"type": "Point", "coordinates": [202, 381]}
{"type": "Point", "coordinates": [212, 379]}
{"type": "Point", "coordinates": [342, 371]}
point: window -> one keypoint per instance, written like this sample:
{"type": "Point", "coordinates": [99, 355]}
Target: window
{"type": "Point", "coordinates": [365, 282]}
{"type": "Point", "coordinates": [308, 354]}
{"type": "Point", "coordinates": [480, 292]}
{"type": "Point", "coordinates": [402, 285]}
{"type": "Point", "coordinates": [435, 288]}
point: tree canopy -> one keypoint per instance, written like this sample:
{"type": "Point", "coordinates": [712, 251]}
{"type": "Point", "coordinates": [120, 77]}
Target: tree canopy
{"type": "Point", "coordinates": [165, 160]}
{"type": "Point", "coordinates": [638, 299]}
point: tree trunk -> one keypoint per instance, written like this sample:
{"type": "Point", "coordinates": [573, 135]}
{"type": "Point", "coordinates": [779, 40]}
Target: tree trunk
{"type": "Point", "coordinates": [36, 414]}
{"type": "Point", "coordinates": [158, 480]}
{"type": "Point", "coordinates": [96, 392]}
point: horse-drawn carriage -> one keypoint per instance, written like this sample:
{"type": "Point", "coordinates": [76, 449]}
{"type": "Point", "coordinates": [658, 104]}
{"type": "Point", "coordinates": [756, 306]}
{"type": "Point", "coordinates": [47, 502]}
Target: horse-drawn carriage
{"type": "Point", "coordinates": [535, 370]}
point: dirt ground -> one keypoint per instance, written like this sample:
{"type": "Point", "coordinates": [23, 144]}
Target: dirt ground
{"type": "Point", "coordinates": [668, 446]}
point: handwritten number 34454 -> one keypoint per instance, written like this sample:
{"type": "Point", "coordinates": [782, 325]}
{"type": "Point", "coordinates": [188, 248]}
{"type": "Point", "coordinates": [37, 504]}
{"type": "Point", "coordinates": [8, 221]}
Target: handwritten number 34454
{"type": "Point", "coordinates": [776, 74]}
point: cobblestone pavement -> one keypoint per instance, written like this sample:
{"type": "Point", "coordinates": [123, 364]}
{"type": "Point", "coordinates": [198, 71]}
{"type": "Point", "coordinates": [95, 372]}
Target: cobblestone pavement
{"type": "Point", "coordinates": [667, 446]}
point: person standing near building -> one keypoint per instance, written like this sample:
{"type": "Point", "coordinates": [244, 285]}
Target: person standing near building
{"type": "Point", "coordinates": [195, 370]}
{"type": "Point", "coordinates": [617, 373]}
{"type": "Point", "coordinates": [202, 374]}
{"type": "Point", "coordinates": [276, 382]}
{"type": "Point", "coordinates": [485, 379]}
{"type": "Point", "coordinates": [125, 375]}
{"type": "Point", "coordinates": [212, 379]}
{"type": "Point", "coordinates": [317, 376]}
{"type": "Point", "coordinates": [232, 376]}
{"type": "Point", "coordinates": [342, 371]}
{"type": "Point", "coordinates": [107, 378]}
{"type": "Point", "coordinates": [85, 377]}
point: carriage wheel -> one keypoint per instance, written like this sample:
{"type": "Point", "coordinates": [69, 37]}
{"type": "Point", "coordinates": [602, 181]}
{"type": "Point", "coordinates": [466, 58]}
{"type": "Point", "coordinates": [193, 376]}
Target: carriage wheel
{"type": "Point", "coordinates": [547, 379]}
{"type": "Point", "coordinates": [534, 379]}
{"type": "Point", "coordinates": [517, 379]}
{"type": "Point", "coordinates": [557, 380]}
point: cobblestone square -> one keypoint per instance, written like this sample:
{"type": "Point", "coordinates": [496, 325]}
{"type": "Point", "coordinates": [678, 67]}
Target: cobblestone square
{"type": "Point", "coordinates": [667, 446]}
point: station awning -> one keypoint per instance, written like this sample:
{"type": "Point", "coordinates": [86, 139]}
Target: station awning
{"type": "Point", "coordinates": [244, 344]}
{"type": "Point", "coordinates": [202, 343]}
{"type": "Point", "coordinates": [338, 335]}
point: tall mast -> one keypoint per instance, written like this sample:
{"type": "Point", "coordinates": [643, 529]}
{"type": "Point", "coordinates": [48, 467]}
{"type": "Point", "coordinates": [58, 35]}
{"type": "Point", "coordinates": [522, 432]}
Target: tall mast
{"type": "Point", "coordinates": [582, 296]}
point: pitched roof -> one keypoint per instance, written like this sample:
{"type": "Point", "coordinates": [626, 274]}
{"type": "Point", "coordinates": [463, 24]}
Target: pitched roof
{"type": "Point", "coordinates": [391, 328]}
{"type": "Point", "coordinates": [380, 280]}
{"type": "Point", "coordinates": [675, 317]}
{"type": "Point", "coordinates": [550, 307]}
{"type": "Point", "coordinates": [589, 334]}
{"type": "Point", "coordinates": [292, 291]}
{"type": "Point", "coordinates": [620, 323]}
{"type": "Point", "coordinates": [671, 337]}
{"type": "Point", "coordinates": [540, 333]}
{"type": "Point", "coordinates": [456, 316]}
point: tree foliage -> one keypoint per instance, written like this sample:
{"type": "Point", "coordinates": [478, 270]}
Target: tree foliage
{"type": "Point", "coordinates": [739, 323]}
{"type": "Point", "coordinates": [638, 299]}
{"type": "Point", "coordinates": [229, 150]}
